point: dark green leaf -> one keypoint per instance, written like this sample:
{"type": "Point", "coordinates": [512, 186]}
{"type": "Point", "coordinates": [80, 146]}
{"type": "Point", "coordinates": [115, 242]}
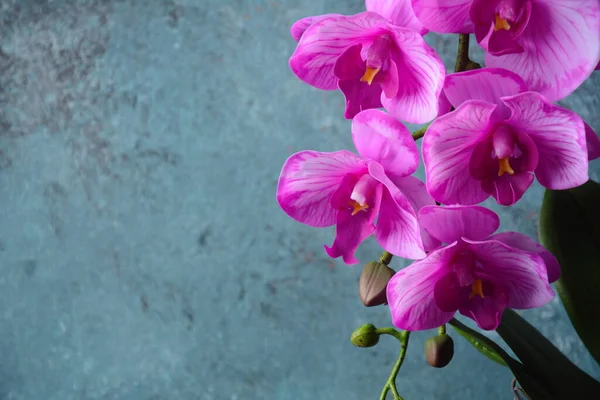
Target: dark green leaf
{"type": "Point", "coordinates": [543, 361]}
{"type": "Point", "coordinates": [494, 352]}
{"type": "Point", "coordinates": [570, 229]}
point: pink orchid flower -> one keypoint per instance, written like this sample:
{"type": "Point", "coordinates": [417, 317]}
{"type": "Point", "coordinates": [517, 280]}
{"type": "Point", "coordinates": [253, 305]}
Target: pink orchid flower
{"type": "Point", "coordinates": [500, 135]}
{"type": "Point", "coordinates": [343, 189]}
{"type": "Point", "coordinates": [476, 273]}
{"type": "Point", "coordinates": [372, 61]}
{"type": "Point", "coordinates": [554, 45]}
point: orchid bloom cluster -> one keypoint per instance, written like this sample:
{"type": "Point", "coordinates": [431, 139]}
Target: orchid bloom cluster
{"type": "Point", "coordinates": [492, 131]}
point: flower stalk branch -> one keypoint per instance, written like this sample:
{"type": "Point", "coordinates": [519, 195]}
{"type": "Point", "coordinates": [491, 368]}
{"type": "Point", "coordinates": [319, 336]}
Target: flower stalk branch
{"type": "Point", "coordinates": [418, 134]}
{"type": "Point", "coordinates": [462, 56]}
{"type": "Point", "coordinates": [386, 258]}
{"type": "Point", "coordinates": [442, 330]}
{"type": "Point", "coordinates": [390, 385]}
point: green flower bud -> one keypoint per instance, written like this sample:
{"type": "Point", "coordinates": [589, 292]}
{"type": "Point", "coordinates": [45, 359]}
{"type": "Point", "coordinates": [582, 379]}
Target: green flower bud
{"type": "Point", "coordinates": [365, 336]}
{"type": "Point", "coordinates": [439, 350]}
{"type": "Point", "coordinates": [373, 282]}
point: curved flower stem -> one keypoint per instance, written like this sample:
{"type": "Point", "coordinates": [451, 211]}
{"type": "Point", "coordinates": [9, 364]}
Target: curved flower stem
{"type": "Point", "coordinates": [385, 259]}
{"type": "Point", "coordinates": [403, 337]}
{"type": "Point", "coordinates": [442, 330]}
{"type": "Point", "coordinates": [472, 65]}
{"type": "Point", "coordinates": [462, 55]}
{"type": "Point", "coordinates": [392, 332]}
{"type": "Point", "coordinates": [419, 133]}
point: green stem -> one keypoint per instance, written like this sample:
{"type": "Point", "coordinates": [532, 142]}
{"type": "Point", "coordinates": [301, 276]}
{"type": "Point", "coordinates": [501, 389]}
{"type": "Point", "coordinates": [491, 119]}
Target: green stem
{"type": "Point", "coordinates": [442, 330]}
{"type": "Point", "coordinates": [391, 381]}
{"type": "Point", "coordinates": [419, 133]}
{"type": "Point", "coordinates": [391, 332]}
{"type": "Point", "coordinates": [386, 258]}
{"type": "Point", "coordinates": [462, 55]}
{"type": "Point", "coordinates": [471, 65]}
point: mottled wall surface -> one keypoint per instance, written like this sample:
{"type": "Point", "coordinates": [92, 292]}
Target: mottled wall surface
{"type": "Point", "coordinates": [142, 254]}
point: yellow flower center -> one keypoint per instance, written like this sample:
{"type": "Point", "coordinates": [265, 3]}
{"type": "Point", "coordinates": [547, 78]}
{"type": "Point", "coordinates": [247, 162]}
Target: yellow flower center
{"type": "Point", "coordinates": [501, 23]}
{"type": "Point", "coordinates": [476, 289]}
{"type": "Point", "coordinates": [357, 206]}
{"type": "Point", "coordinates": [369, 75]}
{"type": "Point", "coordinates": [504, 166]}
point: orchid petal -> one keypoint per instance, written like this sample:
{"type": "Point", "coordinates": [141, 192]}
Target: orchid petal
{"type": "Point", "coordinates": [397, 229]}
{"type": "Point", "coordinates": [444, 16]}
{"type": "Point", "coordinates": [389, 80]}
{"type": "Point", "coordinates": [486, 84]}
{"type": "Point", "coordinates": [481, 164]}
{"type": "Point", "coordinates": [559, 135]}
{"type": "Point", "coordinates": [380, 137]}
{"type": "Point", "coordinates": [482, 31]}
{"type": "Point", "coordinates": [522, 242]}
{"type": "Point", "coordinates": [444, 106]}
{"type": "Point", "coordinates": [418, 197]}
{"type": "Point", "coordinates": [452, 223]}
{"type": "Point", "coordinates": [398, 12]}
{"type": "Point", "coordinates": [422, 78]}
{"type": "Point", "coordinates": [529, 158]}
{"type": "Point", "coordinates": [327, 39]}
{"type": "Point", "coordinates": [309, 179]}
{"type": "Point", "coordinates": [592, 142]}
{"type": "Point", "coordinates": [502, 42]}
{"type": "Point", "coordinates": [410, 292]}
{"type": "Point", "coordinates": [341, 197]}
{"type": "Point", "coordinates": [522, 274]}
{"type": "Point", "coordinates": [447, 148]}
{"type": "Point", "coordinates": [561, 47]}
{"type": "Point", "coordinates": [300, 26]}
{"type": "Point", "coordinates": [350, 64]}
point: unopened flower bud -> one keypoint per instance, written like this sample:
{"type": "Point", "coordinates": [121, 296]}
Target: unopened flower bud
{"type": "Point", "coordinates": [373, 282]}
{"type": "Point", "coordinates": [439, 350]}
{"type": "Point", "coordinates": [365, 336]}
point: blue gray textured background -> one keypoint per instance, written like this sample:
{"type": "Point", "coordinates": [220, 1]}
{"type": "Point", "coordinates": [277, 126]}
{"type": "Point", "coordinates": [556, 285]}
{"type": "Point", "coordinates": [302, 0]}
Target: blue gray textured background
{"type": "Point", "coordinates": [142, 254]}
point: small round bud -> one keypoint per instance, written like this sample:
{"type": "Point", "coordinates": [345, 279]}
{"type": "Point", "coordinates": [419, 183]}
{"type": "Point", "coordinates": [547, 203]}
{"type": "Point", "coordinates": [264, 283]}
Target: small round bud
{"type": "Point", "coordinates": [373, 282]}
{"type": "Point", "coordinates": [365, 336]}
{"type": "Point", "coordinates": [439, 350]}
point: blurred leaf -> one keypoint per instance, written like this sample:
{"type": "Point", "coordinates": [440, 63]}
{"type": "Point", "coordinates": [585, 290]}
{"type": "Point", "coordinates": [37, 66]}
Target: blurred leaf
{"type": "Point", "coordinates": [570, 229]}
{"type": "Point", "coordinates": [486, 346]}
{"type": "Point", "coordinates": [543, 362]}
